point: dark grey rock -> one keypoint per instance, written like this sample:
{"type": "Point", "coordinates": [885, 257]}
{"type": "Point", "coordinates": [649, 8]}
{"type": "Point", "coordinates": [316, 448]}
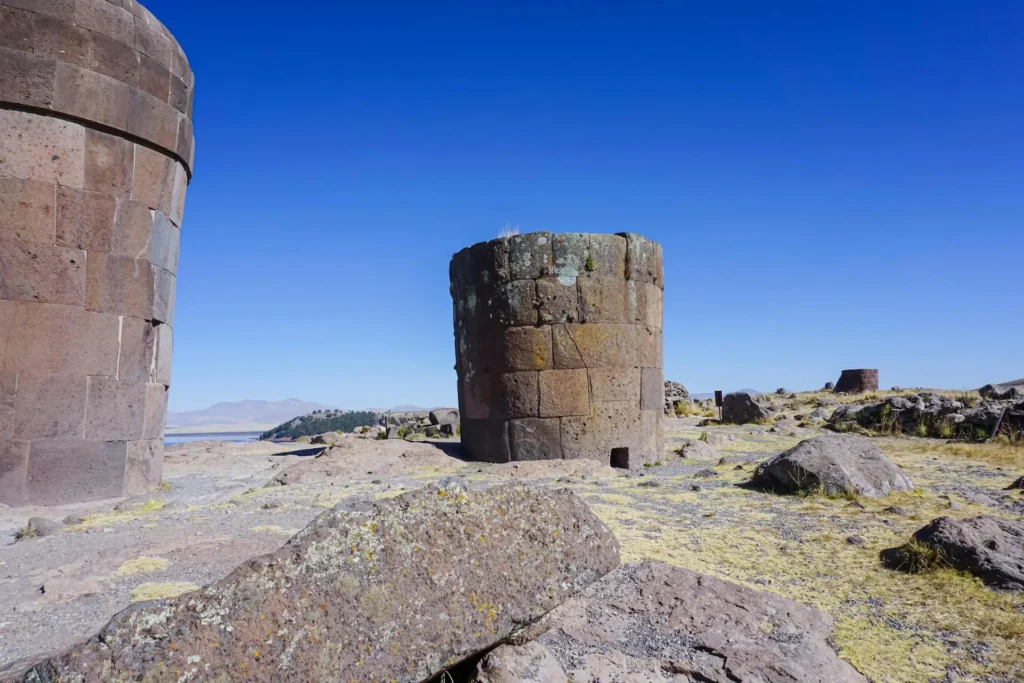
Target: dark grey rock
{"type": "Point", "coordinates": [855, 540]}
{"type": "Point", "coordinates": [742, 408]}
{"type": "Point", "coordinates": [41, 526]}
{"type": "Point", "coordinates": [444, 416]}
{"type": "Point", "coordinates": [838, 463]}
{"type": "Point", "coordinates": [1017, 485]}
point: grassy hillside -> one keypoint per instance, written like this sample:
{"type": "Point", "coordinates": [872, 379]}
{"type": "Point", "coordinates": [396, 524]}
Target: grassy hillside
{"type": "Point", "coordinates": [320, 421]}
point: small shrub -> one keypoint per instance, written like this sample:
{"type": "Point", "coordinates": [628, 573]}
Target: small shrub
{"type": "Point", "coordinates": [26, 532]}
{"type": "Point", "coordinates": [703, 437]}
{"type": "Point", "coordinates": [681, 408]}
{"type": "Point", "coordinates": [916, 557]}
{"type": "Point", "coordinates": [589, 265]}
{"type": "Point", "coordinates": [945, 430]}
{"type": "Point", "coordinates": [871, 397]}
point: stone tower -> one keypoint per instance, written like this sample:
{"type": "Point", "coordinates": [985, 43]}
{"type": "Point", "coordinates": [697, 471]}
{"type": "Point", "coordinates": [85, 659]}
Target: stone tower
{"type": "Point", "coordinates": [558, 348]}
{"type": "Point", "coordinates": [857, 381]}
{"type": "Point", "coordinates": [95, 153]}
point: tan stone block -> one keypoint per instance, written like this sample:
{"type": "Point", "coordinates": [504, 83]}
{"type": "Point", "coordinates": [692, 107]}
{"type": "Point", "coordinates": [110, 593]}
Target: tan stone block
{"type": "Point", "coordinates": [162, 360]}
{"type": "Point", "coordinates": [156, 411]}
{"type": "Point", "coordinates": [531, 255]}
{"type": "Point", "coordinates": [120, 285]}
{"type": "Point", "coordinates": [613, 429]}
{"type": "Point", "coordinates": [48, 406]}
{"type": "Point", "coordinates": [565, 353]}
{"type": "Point", "coordinates": [109, 162]}
{"type": "Point", "coordinates": [85, 220]}
{"type": "Point", "coordinates": [60, 470]}
{"type": "Point", "coordinates": [603, 345]}
{"type": "Point", "coordinates": [139, 339]}
{"type": "Point", "coordinates": [107, 19]}
{"type": "Point", "coordinates": [26, 78]}
{"type": "Point", "coordinates": [652, 391]}
{"type": "Point", "coordinates": [564, 392]}
{"type": "Point", "coordinates": [179, 95]}
{"type": "Point", "coordinates": [655, 307]}
{"type": "Point", "coordinates": [91, 96]}
{"type": "Point", "coordinates": [53, 339]}
{"type": "Point", "coordinates": [153, 120]}
{"type": "Point", "coordinates": [133, 229]}
{"type": "Point", "coordinates": [163, 296]}
{"type": "Point", "coordinates": [154, 45]}
{"type": "Point", "coordinates": [17, 29]}
{"type": "Point", "coordinates": [602, 299]}
{"type": "Point", "coordinates": [64, 10]}
{"type": "Point", "coordinates": [13, 471]}
{"type": "Point", "coordinates": [155, 78]}
{"type": "Point", "coordinates": [648, 347]}
{"type": "Point", "coordinates": [113, 58]}
{"type": "Point", "coordinates": [570, 256]}
{"type": "Point", "coordinates": [143, 466]}
{"type": "Point", "coordinates": [41, 148]}
{"type": "Point", "coordinates": [116, 410]}
{"type": "Point", "coordinates": [485, 440]}
{"type": "Point", "coordinates": [27, 210]}
{"type": "Point", "coordinates": [62, 41]}
{"type": "Point", "coordinates": [178, 195]}
{"type": "Point", "coordinates": [517, 303]}
{"type": "Point", "coordinates": [164, 243]}
{"type": "Point", "coordinates": [607, 256]}
{"type": "Point", "coordinates": [535, 438]}
{"type": "Point", "coordinates": [643, 260]}
{"type": "Point", "coordinates": [154, 179]}
{"type": "Point", "coordinates": [636, 302]}
{"type": "Point", "coordinates": [41, 272]}
{"type": "Point", "coordinates": [517, 395]}
{"type": "Point", "coordinates": [615, 384]}
{"type": "Point", "coordinates": [527, 348]}
{"type": "Point", "coordinates": [558, 302]}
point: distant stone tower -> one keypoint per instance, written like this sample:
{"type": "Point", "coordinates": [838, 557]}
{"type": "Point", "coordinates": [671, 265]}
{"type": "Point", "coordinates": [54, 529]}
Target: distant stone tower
{"type": "Point", "coordinates": [558, 348]}
{"type": "Point", "coordinates": [95, 153]}
{"type": "Point", "coordinates": [857, 381]}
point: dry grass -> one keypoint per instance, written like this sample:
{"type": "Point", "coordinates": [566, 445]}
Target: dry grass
{"type": "Point", "coordinates": [142, 565]}
{"type": "Point", "coordinates": [1001, 452]}
{"type": "Point", "coordinates": [157, 591]}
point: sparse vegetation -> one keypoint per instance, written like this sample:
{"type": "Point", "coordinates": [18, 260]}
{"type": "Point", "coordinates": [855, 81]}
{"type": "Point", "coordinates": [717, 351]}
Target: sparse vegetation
{"type": "Point", "coordinates": [589, 265]}
{"type": "Point", "coordinates": [320, 423]}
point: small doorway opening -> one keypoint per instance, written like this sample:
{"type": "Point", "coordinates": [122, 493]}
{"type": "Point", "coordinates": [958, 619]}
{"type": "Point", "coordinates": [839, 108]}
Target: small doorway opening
{"type": "Point", "coordinates": [620, 458]}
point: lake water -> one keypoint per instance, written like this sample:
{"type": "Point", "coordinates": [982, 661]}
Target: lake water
{"type": "Point", "coordinates": [171, 439]}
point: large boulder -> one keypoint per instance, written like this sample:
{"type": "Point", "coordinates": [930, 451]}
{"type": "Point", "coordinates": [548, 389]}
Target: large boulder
{"type": "Point", "coordinates": [653, 622]}
{"type": "Point", "coordinates": [674, 391]}
{"type": "Point", "coordinates": [1004, 391]}
{"type": "Point", "coordinates": [838, 464]}
{"type": "Point", "coordinates": [398, 591]}
{"type": "Point", "coordinates": [444, 416]}
{"type": "Point", "coordinates": [742, 408]}
{"type": "Point", "coordinates": [991, 548]}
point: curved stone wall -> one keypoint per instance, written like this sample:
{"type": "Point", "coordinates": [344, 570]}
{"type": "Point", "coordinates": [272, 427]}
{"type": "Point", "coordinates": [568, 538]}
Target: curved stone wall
{"type": "Point", "coordinates": [857, 381]}
{"type": "Point", "coordinates": [558, 347]}
{"type": "Point", "coordinates": [95, 155]}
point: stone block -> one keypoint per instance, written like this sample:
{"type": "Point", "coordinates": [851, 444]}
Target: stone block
{"type": "Point", "coordinates": [133, 230]}
{"type": "Point", "coordinates": [64, 10]}
{"type": "Point", "coordinates": [13, 471]}
{"type": "Point", "coordinates": [179, 95]}
{"type": "Point", "coordinates": [113, 58]}
{"type": "Point", "coordinates": [643, 260]}
{"type": "Point", "coordinates": [154, 179]}
{"type": "Point", "coordinates": [26, 78]}
{"type": "Point", "coordinates": [636, 302]}
{"type": "Point", "coordinates": [162, 359]}
{"type": "Point", "coordinates": [164, 244]}
{"type": "Point", "coordinates": [115, 410]}
{"type": "Point", "coordinates": [485, 440]}
{"type": "Point", "coordinates": [8, 384]}
{"type": "Point", "coordinates": [154, 45]}
{"type": "Point", "coordinates": [17, 29]}
{"type": "Point", "coordinates": [7, 310]}
{"type": "Point", "coordinates": [518, 395]}
{"type": "Point", "coordinates": [153, 119]}
{"type": "Point", "coordinates": [39, 272]}
{"type": "Point", "coordinates": [570, 257]}
{"type": "Point", "coordinates": [607, 256]}
{"type": "Point", "coordinates": [564, 392]}
{"type": "Point", "coordinates": [648, 346]}
{"type": "Point", "coordinates": [612, 429]}
{"type": "Point", "coordinates": [42, 148]}
{"type": "Point", "coordinates": [92, 96]}
{"type": "Point", "coordinates": [565, 354]}
{"type": "Point", "coordinates": [655, 307]}
{"type": "Point", "coordinates": [531, 255]}
{"type": "Point", "coordinates": [139, 341]}
{"type": "Point", "coordinates": [144, 462]}
{"type": "Point", "coordinates": [615, 384]}
{"type": "Point", "coordinates": [602, 299]}
{"type": "Point", "coordinates": [478, 390]}
{"type": "Point", "coordinates": [535, 438]}
{"type": "Point", "coordinates": [61, 470]}
{"type": "Point", "coordinates": [156, 411]}
{"type": "Point", "coordinates": [163, 296]}
{"type": "Point", "coordinates": [107, 19]}
{"type": "Point", "coordinates": [53, 339]}
{"type": "Point", "coordinates": [652, 391]}
{"type": "Point", "coordinates": [527, 348]}
{"type": "Point", "coordinates": [109, 163]}
{"type": "Point", "coordinates": [179, 189]}
{"type": "Point", "coordinates": [186, 141]}
{"type": "Point", "coordinates": [517, 303]}
{"type": "Point", "coordinates": [48, 406]}
{"type": "Point", "coordinates": [27, 210]}
{"type": "Point", "coordinates": [602, 345]}
{"type": "Point", "coordinates": [85, 220]}
{"type": "Point", "coordinates": [557, 302]}
{"type": "Point", "coordinates": [120, 285]}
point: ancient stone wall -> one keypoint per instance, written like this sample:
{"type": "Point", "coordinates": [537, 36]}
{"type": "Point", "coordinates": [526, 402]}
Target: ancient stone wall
{"type": "Point", "coordinates": [857, 381]}
{"type": "Point", "coordinates": [558, 346]}
{"type": "Point", "coordinates": [95, 154]}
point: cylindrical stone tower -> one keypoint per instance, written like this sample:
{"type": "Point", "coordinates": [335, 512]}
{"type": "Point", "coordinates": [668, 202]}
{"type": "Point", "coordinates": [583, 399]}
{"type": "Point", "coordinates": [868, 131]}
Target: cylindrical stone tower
{"type": "Point", "coordinates": [558, 348]}
{"type": "Point", "coordinates": [95, 154]}
{"type": "Point", "coordinates": [857, 381]}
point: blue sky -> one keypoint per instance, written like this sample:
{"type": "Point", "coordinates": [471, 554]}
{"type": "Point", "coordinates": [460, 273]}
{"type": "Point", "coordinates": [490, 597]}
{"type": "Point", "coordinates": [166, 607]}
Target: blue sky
{"type": "Point", "coordinates": [835, 184]}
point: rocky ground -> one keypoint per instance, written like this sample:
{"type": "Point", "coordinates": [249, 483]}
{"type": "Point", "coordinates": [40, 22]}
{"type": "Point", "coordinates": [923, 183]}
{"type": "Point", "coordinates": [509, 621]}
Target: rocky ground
{"type": "Point", "coordinates": [224, 503]}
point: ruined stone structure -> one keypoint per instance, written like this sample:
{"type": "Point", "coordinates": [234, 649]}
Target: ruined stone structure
{"type": "Point", "coordinates": [857, 381]}
{"type": "Point", "coordinates": [558, 346]}
{"type": "Point", "coordinates": [95, 153]}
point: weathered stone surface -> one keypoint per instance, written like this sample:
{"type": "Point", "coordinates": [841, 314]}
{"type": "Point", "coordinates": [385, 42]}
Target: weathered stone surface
{"type": "Point", "coordinates": [857, 381]}
{"type": "Point", "coordinates": [48, 406]}
{"type": "Point", "coordinates": [557, 302]}
{"type": "Point", "coordinates": [612, 431]}
{"type": "Point", "coordinates": [1017, 485]}
{"type": "Point", "coordinates": [535, 438]}
{"type": "Point", "coordinates": [838, 463]}
{"type": "Point", "coordinates": [40, 272]}
{"type": "Point", "coordinates": [91, 95]}
{"type": "Point", "coordinates": [486, 440]}
{"type": "Point", "coordinates": [602, 300]}
{"type": "Point", "coordinates": [652, 389]}
{"type": "Point", "coordinates": [527, 348]}
{"type": "Point", "coordinates": [607, 255]}
{"type": "Point", "coordinates": [85, 220]}
{"type": "Point", "coordinates": [653, 622]}
{"type": "Point", "coordinates": [396, 592]}
{"type": "Point", "coordinates": [109, 163]}
{"type": "Point", "coordinates": [120, 285]}
{"type": "Point", "coordinates": [615, 384]}
{"type": "Point", "coordinates": [643, 260]}
{"type": "Point", "coordinates": [741, 408]}
{"type": "Point", "coordinates": [13, 470]}
{"type": "Point", "coordinates": [443, 416]}
{"type": "Point", "coordinates": [60, 470]}
{"type": "Point", "coordinates": [36, 147]}
{"type": "Point", "coordinates": [52, 339]}
{"type": "Point", "coordinates": [564, 392]}
{"type": "Point", "coordinates": [991, 548]}
{"type": "Point", "coordinates": [518, 395]}
{"type": "Point", "coordinates": [143, 465]}
{"type": "Point", "coordinates": [25, 78]}
{"type": "Point", "coordinates": [1004, 391]}
{"type": "Point", "coordinates": [517, 303]}
{"type": "Point", "coordinates": [27, 210]}
{"type": "Point", "coordinates": [115, 410]}
{"type": "Point", "coordinates": [565, 353]}
{"type": "Point", "coordinates": [531, 255]}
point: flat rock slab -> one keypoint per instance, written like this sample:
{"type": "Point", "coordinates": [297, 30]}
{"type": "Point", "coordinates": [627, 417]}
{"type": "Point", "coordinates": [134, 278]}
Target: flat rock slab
{"type": "Point", "coordinates": [397, 591]}
{"type": "Point", "coordinates": [837, 463]}
{"type": "Point", "coordinates": [991, 548]}
{"type": "Point", "coordinates": [659, 623]}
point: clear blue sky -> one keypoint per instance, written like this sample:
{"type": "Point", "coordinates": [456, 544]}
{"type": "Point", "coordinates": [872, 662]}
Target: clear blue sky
{"type": "Point", "coordinates": [835, 184]}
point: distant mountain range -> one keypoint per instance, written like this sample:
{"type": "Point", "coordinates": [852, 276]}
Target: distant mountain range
{"type": "Point", "coordinates": [752, 392]}
{"type": "Point", "coordinates": [240, 416]}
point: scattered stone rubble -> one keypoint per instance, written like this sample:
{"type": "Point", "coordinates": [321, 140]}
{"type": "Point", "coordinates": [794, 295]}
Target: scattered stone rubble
{"type": "Point", "coordinates": [674, 391]}
{"type": "Point", "coordinates": [926, 414]}
{"type": "Point", "coordinates": [1004, 391]}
